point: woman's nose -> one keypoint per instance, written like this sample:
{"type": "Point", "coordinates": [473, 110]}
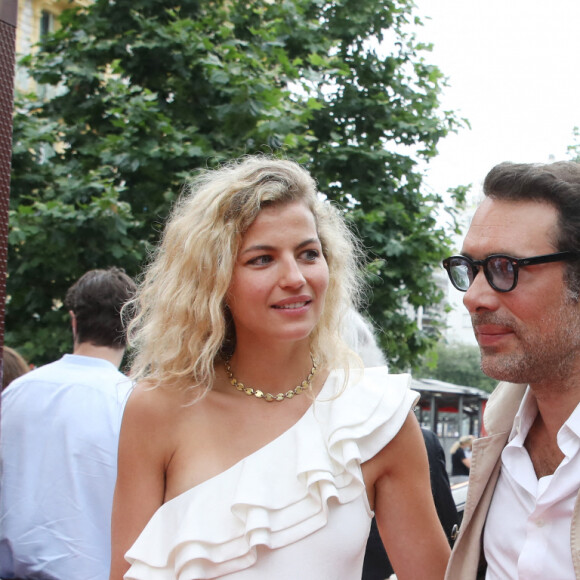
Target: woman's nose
{"type": "Point", "coordinates": [292, 274]}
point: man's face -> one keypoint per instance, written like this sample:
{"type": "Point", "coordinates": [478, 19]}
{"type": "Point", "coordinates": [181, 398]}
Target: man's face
{"type": "Point", "coordinates": [532, 333]}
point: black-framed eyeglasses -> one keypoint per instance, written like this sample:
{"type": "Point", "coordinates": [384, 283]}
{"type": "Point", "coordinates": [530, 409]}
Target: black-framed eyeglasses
{"type": "Point", "coordinates": [500, 271]}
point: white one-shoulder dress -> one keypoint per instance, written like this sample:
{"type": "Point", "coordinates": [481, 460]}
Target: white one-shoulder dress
{"type": "Point", "coordinates": [297, 508]}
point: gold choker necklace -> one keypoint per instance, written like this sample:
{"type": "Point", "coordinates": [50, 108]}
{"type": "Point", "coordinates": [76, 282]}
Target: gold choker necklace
{"type": "Point", "coordinates": [305, 385]}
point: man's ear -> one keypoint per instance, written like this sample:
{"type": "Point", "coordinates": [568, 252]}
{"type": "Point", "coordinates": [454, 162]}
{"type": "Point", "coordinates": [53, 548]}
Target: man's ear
{"type": "Point", "coordinates": [73, 321]}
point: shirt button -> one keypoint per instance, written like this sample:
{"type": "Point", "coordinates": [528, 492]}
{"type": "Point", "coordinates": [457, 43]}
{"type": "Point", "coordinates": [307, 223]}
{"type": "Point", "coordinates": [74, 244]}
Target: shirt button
{"type": "Point", "coordinates": [540, 523]}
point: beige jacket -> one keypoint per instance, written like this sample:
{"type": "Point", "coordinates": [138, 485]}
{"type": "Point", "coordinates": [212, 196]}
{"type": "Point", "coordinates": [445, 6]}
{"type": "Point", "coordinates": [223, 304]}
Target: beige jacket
{"type": "Point", "coordinates": [467, 561]}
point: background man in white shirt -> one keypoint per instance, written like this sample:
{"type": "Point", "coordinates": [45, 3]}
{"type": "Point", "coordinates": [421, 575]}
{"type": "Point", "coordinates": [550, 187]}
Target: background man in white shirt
{"type": "Point", "coordinates": [59, 435]}
{"type": "Point", "coordinates": [525, 474]}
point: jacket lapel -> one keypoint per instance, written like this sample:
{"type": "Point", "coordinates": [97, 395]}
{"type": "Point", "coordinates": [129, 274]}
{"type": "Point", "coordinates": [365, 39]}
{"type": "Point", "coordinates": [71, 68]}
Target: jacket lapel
{"type": "Point", "coordinates": [485, 467]}
{"type": "Point", "coordinates": [501, 409]}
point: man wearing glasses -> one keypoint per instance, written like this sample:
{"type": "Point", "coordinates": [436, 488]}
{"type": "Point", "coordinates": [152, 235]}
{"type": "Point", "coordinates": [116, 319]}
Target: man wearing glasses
{"type": "Point", "coordinates": [520, 270]}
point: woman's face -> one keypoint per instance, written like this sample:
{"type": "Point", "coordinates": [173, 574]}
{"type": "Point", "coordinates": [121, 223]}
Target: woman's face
{"type": "Point", "coordinates": [280, 276]}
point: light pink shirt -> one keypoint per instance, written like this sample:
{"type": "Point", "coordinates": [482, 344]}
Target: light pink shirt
{"type": "Point", "coordinates": [527, 531]}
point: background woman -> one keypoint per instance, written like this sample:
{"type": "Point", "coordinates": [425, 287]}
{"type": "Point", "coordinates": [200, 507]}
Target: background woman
{"type": "Point", "coordinates": [461, 455]}
{"type": "Point", "coordinates": [248, 448]}
{"type": "Point", "coordinates": [14, 366]}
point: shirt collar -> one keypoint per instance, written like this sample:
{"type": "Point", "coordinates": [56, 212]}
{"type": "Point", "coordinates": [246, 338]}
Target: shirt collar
{"type": "Point", "coordinates": [568, 435]}
{"type": "Point", "coordinates": [524, 418]}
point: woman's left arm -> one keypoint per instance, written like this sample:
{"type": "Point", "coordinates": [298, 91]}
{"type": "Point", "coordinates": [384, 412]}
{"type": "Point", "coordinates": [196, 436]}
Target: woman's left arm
{"type": "Point", "coordinates": [399, 488]}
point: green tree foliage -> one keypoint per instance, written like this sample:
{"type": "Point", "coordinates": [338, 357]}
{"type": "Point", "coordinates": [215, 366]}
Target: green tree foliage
{"type": "Point", "coordinates": [574, 149]}
{"type": "Point", "coordinates": [146, 91]}
{"type": "Point", "coordinates": [458, 364]}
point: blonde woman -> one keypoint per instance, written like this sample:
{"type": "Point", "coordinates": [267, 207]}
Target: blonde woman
{"type": "Point", "coordinates": [254, 444]}
{"type": "Point", "coordinates": [461, 455]}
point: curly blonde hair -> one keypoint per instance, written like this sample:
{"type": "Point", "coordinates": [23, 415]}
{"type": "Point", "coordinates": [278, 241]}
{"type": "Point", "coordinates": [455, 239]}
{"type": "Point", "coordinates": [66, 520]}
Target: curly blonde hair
{"type": "Point", "coordinates": [181, 326]}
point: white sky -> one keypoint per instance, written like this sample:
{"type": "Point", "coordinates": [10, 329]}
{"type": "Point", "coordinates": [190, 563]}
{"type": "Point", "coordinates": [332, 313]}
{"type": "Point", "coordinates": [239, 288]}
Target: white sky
{"type": "Point", "coordinates": [513, 69]}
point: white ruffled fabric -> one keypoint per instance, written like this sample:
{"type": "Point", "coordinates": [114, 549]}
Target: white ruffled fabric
{"type": "Point", "coordinates": [282, 494]}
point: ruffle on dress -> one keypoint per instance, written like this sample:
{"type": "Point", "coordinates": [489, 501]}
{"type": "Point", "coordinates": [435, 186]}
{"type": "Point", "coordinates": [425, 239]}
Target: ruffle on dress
{"type": "Point", "coordinates": [280, 493]}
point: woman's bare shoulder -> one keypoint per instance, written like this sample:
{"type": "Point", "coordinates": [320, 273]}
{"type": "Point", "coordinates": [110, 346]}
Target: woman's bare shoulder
{"type": "Point", "coordinates": [155, 421]}
{"type": "Point", "coordinates": [150, 403]}
{"type": "Point", "coordinates": [147, 396]}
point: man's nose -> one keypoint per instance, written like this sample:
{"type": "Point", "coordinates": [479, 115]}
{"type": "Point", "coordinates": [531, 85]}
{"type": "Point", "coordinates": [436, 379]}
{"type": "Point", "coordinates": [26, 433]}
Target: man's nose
{"type": "Point", "coordinates": [480, 295]}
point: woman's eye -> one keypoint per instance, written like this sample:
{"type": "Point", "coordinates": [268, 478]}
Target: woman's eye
{"type": "Point", "coordinates": [260, 260]}
{"type": "Point", "coordinates": [311, 255]}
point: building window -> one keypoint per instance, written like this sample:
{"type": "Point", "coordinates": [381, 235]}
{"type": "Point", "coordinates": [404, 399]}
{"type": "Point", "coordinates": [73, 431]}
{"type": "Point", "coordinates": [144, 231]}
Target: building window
{"type": "Point", "coordinates": [46, 27]}
{"type": "Point", "coordinates": [46, 23]}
